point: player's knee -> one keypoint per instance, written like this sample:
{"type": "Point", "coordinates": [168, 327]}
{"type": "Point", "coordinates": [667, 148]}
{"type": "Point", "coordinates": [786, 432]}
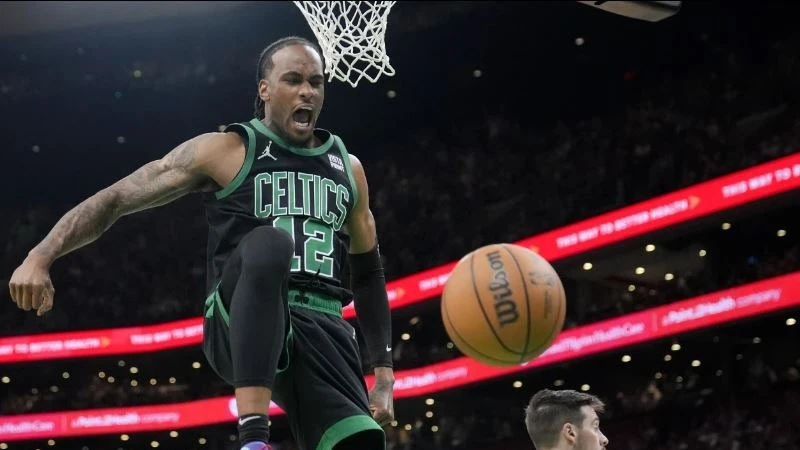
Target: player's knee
{"type": "Point", "coordinates": [267, 249]}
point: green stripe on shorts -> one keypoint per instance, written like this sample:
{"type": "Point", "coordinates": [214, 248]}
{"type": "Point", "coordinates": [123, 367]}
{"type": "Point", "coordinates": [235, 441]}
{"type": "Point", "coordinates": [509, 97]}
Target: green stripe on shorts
{"type": "Point", "coordinates": [346, 428]}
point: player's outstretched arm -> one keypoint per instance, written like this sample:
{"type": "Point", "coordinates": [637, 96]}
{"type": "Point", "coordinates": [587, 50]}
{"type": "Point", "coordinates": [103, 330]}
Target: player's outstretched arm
{"type": "Point", "coordinates": [371, 302]}
{"type": "Point", "coordinates": [181, 171]}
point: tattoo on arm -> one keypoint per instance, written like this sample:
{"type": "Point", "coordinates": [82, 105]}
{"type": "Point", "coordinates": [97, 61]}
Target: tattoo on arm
{"type": "Point", "coordinates": [154, 184]}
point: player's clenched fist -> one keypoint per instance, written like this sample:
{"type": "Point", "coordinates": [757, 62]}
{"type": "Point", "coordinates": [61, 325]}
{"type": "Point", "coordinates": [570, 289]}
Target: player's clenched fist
{"type": "Point", "coordinates": [30, 286]}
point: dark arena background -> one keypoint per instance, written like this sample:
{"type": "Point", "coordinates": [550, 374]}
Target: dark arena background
{"type": "Point", "coordinates": [655, 164]}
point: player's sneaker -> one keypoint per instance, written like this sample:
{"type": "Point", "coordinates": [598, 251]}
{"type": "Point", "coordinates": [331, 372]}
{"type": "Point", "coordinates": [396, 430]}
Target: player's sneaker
{"type": "Point", "coordinates": [256, 446]}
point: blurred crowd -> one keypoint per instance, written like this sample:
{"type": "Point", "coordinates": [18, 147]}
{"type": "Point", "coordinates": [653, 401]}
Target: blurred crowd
{"type": "Point", "coordinates": [467, 181]}
{"type": "Point", "coordinates": [426, 343]}
{"type": "Point", "coordinates": [520, 180]}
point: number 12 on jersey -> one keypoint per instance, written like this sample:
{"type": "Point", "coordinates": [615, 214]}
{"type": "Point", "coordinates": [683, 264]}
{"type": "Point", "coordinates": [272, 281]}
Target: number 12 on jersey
{"type": "Point", "coordinates": [314, 254]}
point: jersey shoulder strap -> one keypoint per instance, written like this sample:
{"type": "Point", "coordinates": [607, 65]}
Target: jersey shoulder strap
{"type": "Point", "coordinates": [348, 168]}
{"type": "Point", "coordinates": [248, 135]}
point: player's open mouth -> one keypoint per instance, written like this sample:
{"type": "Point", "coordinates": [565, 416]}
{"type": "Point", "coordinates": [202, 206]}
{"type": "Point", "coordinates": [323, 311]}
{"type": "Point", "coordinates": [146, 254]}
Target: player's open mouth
{"type": "Point", "coordinates": [302, 117]}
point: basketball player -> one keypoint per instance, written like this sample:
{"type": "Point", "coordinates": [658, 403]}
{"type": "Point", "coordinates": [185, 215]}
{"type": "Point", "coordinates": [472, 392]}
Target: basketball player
{"type": "Point", "coordinates": [565, 420]}
{"type": "Point", "coordinates": [283, 201]}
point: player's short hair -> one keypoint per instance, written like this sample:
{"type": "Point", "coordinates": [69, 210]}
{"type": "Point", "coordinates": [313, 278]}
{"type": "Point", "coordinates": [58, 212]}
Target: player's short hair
{"type": "Point", "coordinates": [265, 63]}
{"type": "Point", "coordinates": [548, 411]}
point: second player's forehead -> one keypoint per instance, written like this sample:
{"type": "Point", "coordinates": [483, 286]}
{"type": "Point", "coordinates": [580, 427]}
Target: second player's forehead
{"type": "Point", "coordinates": [298, 58]}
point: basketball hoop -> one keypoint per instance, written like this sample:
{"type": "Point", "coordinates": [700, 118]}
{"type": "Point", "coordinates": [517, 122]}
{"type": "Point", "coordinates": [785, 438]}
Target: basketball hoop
{"type": "Point", "coordinates": [352, 37]}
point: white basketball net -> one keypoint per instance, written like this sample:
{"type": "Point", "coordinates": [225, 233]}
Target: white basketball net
{"type": "Point", "coordinates": [352, 38]}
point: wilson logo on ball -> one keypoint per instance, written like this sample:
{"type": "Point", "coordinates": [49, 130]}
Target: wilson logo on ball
{"type": "Point", "coordinates": [504, 305]}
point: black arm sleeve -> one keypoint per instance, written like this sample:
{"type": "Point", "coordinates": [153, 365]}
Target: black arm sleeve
{"type": "Point", "coordinates": [372, 306]}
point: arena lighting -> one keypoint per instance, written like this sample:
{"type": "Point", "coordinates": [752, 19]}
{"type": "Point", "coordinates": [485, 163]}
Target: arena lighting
{"type": "Point", "coordinates": [477, 73]}
{"type": "Point", "coordinates": [171, 380]}
{"type": "Point", "coordinates": [585, 387]}
{"type": "Point", "coordinates": [405, 336]}
{"type": "Point", "coordinates": [702, 253]}
{"type": "Point", "coordinates": [414, 320]}
{"type": "Point", "coordinates": [51, 442]}
{"type": "Point", "coordinates": [407, 427]}
{"type": "Point", "coordinates": [5, 380]}
{"type": "Point", "coordinates": [154, 444]}
{"type": "Point", "coordinates": [658, 375]}
{"type": "Point", "coordinates": [558, 383]}
{"type": "Point", "coordinates": [134, 383]}
{"type": "Point", "coordinates": [679, 379]}
{"type": "Point", "coordinates": [134, 369]}
{"type": "Point", "coordinates": [101, 374]}
{"type": "Point", "coordinates": [626, 358]}
{"type": "Point", "coordinates": [667, 358]}
{"type": "Point", "coordinates": [434, 428]}
{"type": "Point", "coordinates": [649, 248]}
{"type": "Point", "coordinates": [394, 423]}
{"type": "Point", "coordinates": [517, 384]}
{"type": "Point", "coordinates": [756, 340]}
{"type": "Point", "coordinates": [726, 226]}
{"type": "Point", "coordinates": [719, 372]}
{"type": "Point", "coordinates": [696, 363]}
{"type": "Point", "coordinates": [65, 375]}
{"type": "Point", "coordinates": [639, 270]}
{"type": "Point", "coordinates": [3, 446]}
{"type": "Point", "coordinates": [195, 365]}
{"type": "Point", "coordinates": [153, 381]}
{"type": "Point", "coordinates": [124, 437]}
{"type": "Point", "coordinates": [791, 321]}
{"type": "Point", "coordinates": [662, 322]}
{"type": "Point", "coordinates": [675, 347]}
{"type": "Point", "coordinates": [658, 213]}
{"type": "Point", "coordinates": [587, 266]}
{"type": "Point", "coordinates": [668, 276]}
{"type": "Point", "coordinates": [429, 401]}
{"type": "Point", "coordinates": [429, 414]}
{"type": "Point", "coordinates": [110, 379]}
{"type": "Point", "coordinates": [781, 233]}
{"type": "Point", "coordinates": [631, 288]}
{"type": "Point", "coordinates": [121, 363]}
{"type": "Point", "coordinates": [201, 441]}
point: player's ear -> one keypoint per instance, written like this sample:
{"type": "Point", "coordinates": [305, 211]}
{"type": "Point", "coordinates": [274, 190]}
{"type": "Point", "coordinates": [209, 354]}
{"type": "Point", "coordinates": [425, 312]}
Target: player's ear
{"type": "Point", "coordinates": [569, 433]}
{"type": "Point", "coordinates": [263, 90]}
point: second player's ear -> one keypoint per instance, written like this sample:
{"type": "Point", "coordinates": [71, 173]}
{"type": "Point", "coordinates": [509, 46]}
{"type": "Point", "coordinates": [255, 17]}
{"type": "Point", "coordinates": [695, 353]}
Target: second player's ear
{"type": "Point", "coordinates": [569, 433]}
{"type": "Point", "coordinates": [263, 90]}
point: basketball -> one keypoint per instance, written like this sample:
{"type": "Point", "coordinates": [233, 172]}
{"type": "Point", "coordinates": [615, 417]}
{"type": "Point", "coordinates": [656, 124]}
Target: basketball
{"type": "Point", "coordinates": [503, 305]}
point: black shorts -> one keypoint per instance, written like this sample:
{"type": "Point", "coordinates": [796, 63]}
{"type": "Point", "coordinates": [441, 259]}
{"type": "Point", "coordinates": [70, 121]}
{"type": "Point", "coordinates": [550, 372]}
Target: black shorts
{"type": "Point", "coordinates": [319, 383]}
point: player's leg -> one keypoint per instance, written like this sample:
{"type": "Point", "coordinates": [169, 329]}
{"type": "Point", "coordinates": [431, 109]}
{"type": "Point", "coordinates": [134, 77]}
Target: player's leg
{"type": "Point", "coordinates": [323, 390]}
{"type": "Point", "coordinates": [253, 291]}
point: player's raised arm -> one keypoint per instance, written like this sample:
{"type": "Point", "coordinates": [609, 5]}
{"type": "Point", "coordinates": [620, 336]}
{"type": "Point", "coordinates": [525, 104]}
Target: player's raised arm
{"type": "Point", "coordinates": [371, 302]}
{"type": "Point", "coordinates": [183, 170]}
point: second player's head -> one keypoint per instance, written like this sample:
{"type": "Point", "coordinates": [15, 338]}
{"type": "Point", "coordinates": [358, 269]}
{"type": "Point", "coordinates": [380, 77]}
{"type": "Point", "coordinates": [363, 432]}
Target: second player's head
{"type": "Point", "coordinates": [291, 88]}
{"type": "Point", "coordinates": [566, 419]}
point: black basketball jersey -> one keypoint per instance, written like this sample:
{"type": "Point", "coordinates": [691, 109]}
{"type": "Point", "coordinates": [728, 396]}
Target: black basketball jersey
{"type": "Point", "coordinates": [309, 192]}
